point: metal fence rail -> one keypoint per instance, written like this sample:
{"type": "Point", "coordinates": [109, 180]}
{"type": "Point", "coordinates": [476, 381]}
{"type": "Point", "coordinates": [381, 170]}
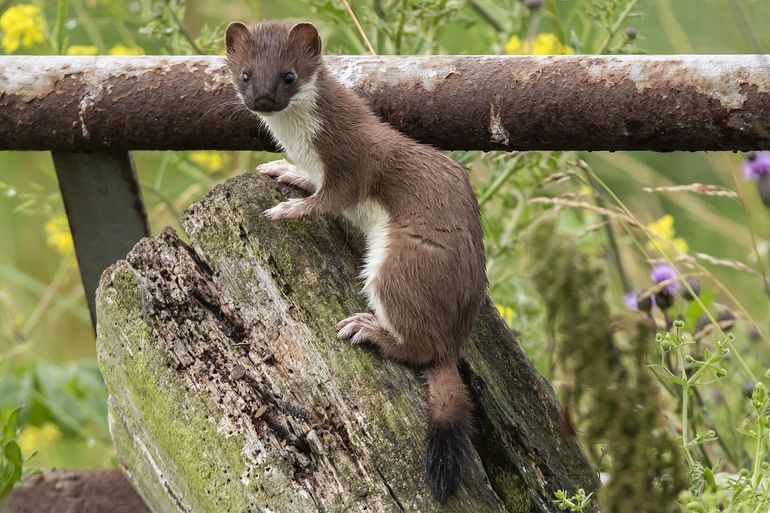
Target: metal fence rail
{"type": "Point", "coordinates": [111, 105]}
{"type": "Point", "coordinates": [661, 103]}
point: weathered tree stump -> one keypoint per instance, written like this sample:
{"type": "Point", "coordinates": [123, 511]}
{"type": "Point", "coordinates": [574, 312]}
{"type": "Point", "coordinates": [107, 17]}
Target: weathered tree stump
{"type": "Point", "coordinates": [75, 491]}
{"type": "Point", "coordinates": [229, 391]}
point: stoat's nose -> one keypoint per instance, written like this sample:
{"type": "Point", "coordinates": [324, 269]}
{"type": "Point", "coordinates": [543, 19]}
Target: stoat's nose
{"type": "Point", "coordinates": [264, 103]}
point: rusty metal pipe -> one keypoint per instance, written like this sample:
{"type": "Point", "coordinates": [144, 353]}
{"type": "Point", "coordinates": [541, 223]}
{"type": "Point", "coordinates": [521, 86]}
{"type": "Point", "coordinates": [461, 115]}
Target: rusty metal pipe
{"type": "Point", "coordinates": [661, 103]}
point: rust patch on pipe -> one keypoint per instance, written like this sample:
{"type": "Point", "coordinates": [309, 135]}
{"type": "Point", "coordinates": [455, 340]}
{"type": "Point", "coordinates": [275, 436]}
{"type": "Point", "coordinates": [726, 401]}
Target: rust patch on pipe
{"type": "Point", "coordinates": [499, 135]}
{"type": "Point", "coordinates": [467, 103]}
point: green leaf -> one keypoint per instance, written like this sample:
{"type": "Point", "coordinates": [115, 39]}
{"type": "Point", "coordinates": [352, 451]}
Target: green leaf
{"type": "Point", "coordinates": [9, 431]}
{"type": "Point", "coordinates": [12, 452]}
{"type": "Point", "coordinates": [11, 472]}
{"type": "Point", "coordinates": [697, 479]}
{"type": "Point", "coordinates": [74, 394]}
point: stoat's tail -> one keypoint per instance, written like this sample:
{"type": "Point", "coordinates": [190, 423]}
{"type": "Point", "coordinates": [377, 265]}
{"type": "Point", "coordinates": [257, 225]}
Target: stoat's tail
{"type": "Point", "coordinates": [449, 430]}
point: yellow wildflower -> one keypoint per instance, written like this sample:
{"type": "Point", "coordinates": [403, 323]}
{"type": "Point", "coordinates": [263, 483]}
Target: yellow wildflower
{"type": "Point", "coordinates": [506, 312]}
{"type": "Point", "coordinates": [22, 25]}
{"type": "Point", "coordinates": [82, 50]}
{"type": "Point", "coordinates": [209, 160]}
{"type": "Point", "coordinates": [126, 50]}
{"type": "Point", "coordinates": [543, 44]}
{"type": "Point", "coordinates": [663, 234]}
{"type": "Point", "coordinates": [33, 438]}
{"type": "Point", "coordinates": [57, 231]}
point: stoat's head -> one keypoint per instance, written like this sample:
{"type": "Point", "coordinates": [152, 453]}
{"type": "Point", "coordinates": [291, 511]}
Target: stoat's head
{"type": "Point", "coordinates": [272, 62]}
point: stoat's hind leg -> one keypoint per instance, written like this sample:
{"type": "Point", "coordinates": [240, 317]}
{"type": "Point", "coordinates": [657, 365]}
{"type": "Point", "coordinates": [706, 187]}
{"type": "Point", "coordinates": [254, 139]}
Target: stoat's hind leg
{"type": "Point", "coordinates": [364, 327]}
{"type": "Point", "coordinates": [288, 173]}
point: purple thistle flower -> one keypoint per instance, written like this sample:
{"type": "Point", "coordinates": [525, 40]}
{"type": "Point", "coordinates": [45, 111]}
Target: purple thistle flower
{"type": "Point", "coordinates": [663, 272]}
{"type": "Point", "coordinates": [630, 301]}
{"type": "Point", "coordinates": [756, 165]}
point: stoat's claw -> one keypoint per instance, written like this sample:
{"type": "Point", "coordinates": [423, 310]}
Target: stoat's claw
{"type": "Point", "coordinates": [359, 328]}
{"type": "Point", "coordinates": [284, 172]}
{"type": "Point", "coordinates": [294, 208]}
{"type": "Point", "coordinates": [276, 168]}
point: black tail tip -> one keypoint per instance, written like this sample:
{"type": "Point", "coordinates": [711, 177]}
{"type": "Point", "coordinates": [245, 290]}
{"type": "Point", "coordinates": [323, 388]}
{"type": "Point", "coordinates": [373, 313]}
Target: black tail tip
{"type": "Point", "coordinates": [447, 456]}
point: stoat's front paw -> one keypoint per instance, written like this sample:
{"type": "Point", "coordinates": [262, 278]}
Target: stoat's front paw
{"type": "Point", "coordinates": [276, 168]}
{"type": "Point", "coordinates": [294, 208]}
{"type": "Point", "coordinates": [284, 172]}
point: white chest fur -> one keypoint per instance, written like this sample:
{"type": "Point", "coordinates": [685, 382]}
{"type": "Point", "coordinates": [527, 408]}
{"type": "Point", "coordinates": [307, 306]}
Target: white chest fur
{"type": "Point", "coordinates": [294, 129]}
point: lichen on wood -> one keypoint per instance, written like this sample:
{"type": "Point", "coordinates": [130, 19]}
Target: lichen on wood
{"type": "Point", "coordinates": [229, 391]}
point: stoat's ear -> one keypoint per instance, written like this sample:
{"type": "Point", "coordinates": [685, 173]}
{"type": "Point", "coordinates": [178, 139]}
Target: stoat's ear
{"type": "Point", "coordinates": [306, 35]}
{"type": "Point", "coordinates": [236, 32]}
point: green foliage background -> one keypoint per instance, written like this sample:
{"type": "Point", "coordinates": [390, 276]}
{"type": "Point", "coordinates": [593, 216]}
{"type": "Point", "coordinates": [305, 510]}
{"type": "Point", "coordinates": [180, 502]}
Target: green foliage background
{"type": "Point", "coordinates": [47, 361]}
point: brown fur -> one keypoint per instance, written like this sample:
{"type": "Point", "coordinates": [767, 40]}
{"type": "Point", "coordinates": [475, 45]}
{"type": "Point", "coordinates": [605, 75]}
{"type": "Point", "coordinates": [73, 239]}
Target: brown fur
{"type": "Point", "coordinates": [431, 284]}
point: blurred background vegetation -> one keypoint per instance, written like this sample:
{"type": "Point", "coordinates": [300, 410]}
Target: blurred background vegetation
{"type": "Point", "coordinates": [47, 356]}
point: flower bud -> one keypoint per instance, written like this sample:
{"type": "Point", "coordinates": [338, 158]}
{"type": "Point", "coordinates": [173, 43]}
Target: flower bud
{"type": "Point", "coordinates": [644, 303]}
{"type": "Point", "coordinates": [664, 300]}
{"type": "Point", "coordinates": [726, 320]}
{"type": "Point", "coordinates": [747, 389]}
{"type": "Point", "coordinates": [759, 397]}
{"type": "Point", "coordinates": [694, 285]}
{"type": "Point", "coordinates": [756, 165]}
{"type": "Point", "coordinates": [702, 322]}
{"type": "Point", "coordinates": [763, 188]}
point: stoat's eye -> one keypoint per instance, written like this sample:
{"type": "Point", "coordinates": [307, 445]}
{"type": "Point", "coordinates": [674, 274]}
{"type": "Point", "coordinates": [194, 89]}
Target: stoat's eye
{"type": "Point", "coordinates": [245, 76]}
{"type": "Point", "coordinates": [289, 77]}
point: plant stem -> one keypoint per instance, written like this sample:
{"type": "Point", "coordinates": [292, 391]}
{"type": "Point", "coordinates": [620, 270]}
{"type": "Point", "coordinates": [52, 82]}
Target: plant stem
{"type": "Point", "coordinates": [759, 454]}
{"type": "Point", "coordinates": [62, 7]}
{"type": "Point", "coordinates": [611, 240]}
{"type": "Point", "coordinates": [88, 25]}
{"type": "Point", "coordinates": [710, 425]}
{"type": "Point", "coordinates": [400, 30]}
{"type": "Point", "coordinates": [183, 31]}
{"type": "Point", "coordinates": [492, 189]}
{"type": "Point", "coordinates": [486, 15]}
{"type": "Point", "coordinates": [746, 30]}
{"type": "Point", "coordinates": [616, 26]}
{"type": "Point", "coordinates": [360, 29]}
{"type": "Point", "coordinates": [685, 401]}
{"type": "Point", "coordinates": [162, 198]}
{"type": "Point", "coordinates": [553, 15]}
{"type": "Point", "coordinates": [61, 275]}
{"type": "Point", "coordinates": [746, 216]}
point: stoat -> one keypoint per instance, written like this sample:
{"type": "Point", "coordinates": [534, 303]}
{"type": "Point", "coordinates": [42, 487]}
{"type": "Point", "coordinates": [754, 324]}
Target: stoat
{"type": "Point", "coordinates": [424, 271]}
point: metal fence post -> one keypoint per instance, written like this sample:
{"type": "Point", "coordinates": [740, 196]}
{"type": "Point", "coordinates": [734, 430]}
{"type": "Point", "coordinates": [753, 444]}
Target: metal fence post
{"type": "Point", "coordinates": [104, 208]}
